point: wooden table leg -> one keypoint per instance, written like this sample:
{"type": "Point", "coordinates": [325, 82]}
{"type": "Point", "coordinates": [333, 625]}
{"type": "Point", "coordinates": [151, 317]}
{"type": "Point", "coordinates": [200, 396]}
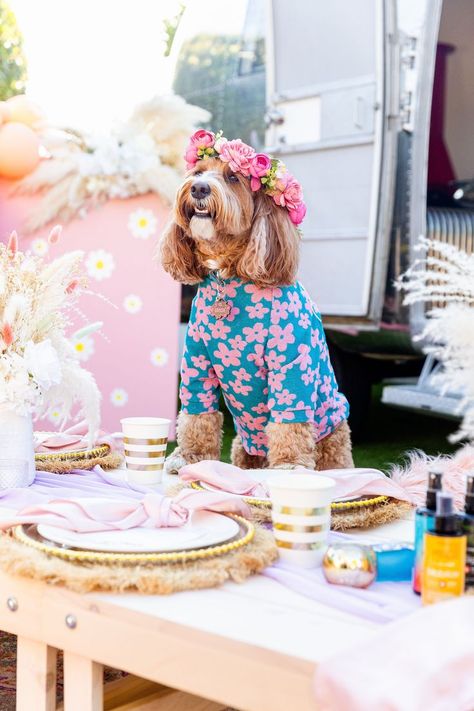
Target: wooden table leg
{"type": "Point", "coordinates": [83, 684]}
{"type": "Point", "coordinates": [35, 676]}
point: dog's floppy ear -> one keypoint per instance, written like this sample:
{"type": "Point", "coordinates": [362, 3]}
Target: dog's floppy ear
{"type": "Point", "coordinates": [271, 256]}
{"type": "Point", "coordinates": [177, 255]}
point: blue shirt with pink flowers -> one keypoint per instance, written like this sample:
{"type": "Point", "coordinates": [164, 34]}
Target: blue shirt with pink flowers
{"type": "Point", "coordinates": [268, 357]}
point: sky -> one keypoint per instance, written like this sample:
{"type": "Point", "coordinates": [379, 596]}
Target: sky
{"type": "Point", "coordinates": [91, 61]}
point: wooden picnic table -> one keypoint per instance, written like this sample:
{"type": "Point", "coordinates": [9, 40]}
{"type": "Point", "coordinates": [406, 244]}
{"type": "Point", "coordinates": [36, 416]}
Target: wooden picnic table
{"type": "Point", "coordinates": [252, 646]}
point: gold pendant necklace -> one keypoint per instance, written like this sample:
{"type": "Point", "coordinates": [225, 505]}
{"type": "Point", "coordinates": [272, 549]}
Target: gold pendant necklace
{"type": "Point", "coordinates": [221, 307]}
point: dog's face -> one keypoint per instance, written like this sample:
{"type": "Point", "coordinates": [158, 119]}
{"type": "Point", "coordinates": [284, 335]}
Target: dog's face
{"type": "Point", "coordinates": [220, 223]}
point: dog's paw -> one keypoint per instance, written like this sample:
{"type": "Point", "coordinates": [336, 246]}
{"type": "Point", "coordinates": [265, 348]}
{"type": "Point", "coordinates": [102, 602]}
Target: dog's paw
{"type": "Point", "coordinates": [174, 462]}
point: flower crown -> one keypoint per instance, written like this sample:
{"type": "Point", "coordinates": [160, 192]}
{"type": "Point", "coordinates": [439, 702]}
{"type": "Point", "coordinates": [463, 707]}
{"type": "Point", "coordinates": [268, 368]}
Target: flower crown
{"type": "Point", "coordinates": [265, 173]}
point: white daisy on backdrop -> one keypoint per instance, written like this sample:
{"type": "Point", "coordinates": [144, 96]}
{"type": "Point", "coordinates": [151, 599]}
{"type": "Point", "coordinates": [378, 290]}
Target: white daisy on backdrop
{"type": "Point", "coordinates": [55, 415]}
{"type": "Point", "coordinates": [100, 264]}
{"type": "Point", "coordinates": [132, 304]}
{"type": "Point", "coordinates": [39, 247]}
{"type": "Point", "coordinates": [159, 357]}
{"type": "Point", "coordinates": [142, 223]}
{"type": "Point", "coordinates": [119, 397]}
{"type": "Point", "coordinates": [84, 347]}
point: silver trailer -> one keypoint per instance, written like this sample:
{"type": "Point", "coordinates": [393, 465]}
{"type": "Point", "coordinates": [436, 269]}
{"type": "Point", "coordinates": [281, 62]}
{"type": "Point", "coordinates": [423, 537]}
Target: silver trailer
{"type": "Point", "coordinates": [371, 104]}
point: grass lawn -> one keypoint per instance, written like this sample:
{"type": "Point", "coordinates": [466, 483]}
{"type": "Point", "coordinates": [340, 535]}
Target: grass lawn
{"type": "Point", "coordinates": [391, 433]}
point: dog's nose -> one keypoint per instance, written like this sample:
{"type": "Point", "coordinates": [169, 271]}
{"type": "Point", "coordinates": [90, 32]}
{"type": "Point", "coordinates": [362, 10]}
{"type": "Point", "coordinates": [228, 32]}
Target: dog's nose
{"type": "Point", "coordinates": [200, 190]}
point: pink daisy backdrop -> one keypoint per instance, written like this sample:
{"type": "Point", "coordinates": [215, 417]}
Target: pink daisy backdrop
{"type": "Point", "coordinates": [135, 361]}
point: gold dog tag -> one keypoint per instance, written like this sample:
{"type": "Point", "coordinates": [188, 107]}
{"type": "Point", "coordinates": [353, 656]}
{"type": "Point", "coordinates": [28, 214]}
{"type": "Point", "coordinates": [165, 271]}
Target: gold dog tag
{"type": "Point", "coordinates": [220, 308]}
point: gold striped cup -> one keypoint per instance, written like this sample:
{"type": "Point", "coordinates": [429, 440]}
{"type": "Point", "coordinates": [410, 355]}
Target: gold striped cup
{"type": "Point", "coordinates": [144, 441]}
{"type": "Point", "coordinates": [301, 515]}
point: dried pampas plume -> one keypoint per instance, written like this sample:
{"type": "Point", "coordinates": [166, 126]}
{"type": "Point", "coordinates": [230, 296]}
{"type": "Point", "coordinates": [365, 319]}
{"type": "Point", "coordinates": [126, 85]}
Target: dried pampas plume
{"type": "Point", "coordinates": [446, 275]}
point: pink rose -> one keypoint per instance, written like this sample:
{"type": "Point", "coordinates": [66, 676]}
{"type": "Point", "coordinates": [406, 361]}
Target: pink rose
{"type": "Point", "coordinates": [191, 157]}
{"type": "Point", "coordinates": [238, 155]}
{"type": "Point", "coordinates": [202, 138]}
{"type": "Point", "coordinates": [288, 192]}
{"type": "Point", "coordinates": [259, 166]}
{"type": "Point", "coordinates": [297, 214]}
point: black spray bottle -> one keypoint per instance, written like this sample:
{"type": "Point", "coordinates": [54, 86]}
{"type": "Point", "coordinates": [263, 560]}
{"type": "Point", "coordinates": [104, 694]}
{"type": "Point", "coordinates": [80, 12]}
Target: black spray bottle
{"type": "Point", "coordinates": [469, 531]}
{"type": "Point", "coordinates": [424, 521]}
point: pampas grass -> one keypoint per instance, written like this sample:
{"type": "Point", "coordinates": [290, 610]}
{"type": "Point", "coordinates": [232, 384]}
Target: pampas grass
{"type": "Point", "coordinates": [142, 155]}
{"type": "Point", "coordinates": [38, 365]}
{"type": "Point", "coordinates": [446, 274]}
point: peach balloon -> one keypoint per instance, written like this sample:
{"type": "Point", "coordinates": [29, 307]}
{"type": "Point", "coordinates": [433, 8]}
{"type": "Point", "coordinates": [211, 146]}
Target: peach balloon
{"type": "Point", "coordinates": [24, 110]}
{"type": "Point", "coordinates": [19, 146]}
{"type": "Point", "coordinates": [5, 112]}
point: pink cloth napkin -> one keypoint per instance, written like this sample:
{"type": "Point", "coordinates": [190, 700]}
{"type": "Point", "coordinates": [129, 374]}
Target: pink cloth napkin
{"type": "Point", "coordinates": [349, 482]}
{"type": "Point", "coordinates": [424, 661]}
{"type": "Point", "coordinates": [75, 438]}
{"type": "Point", "coordinates": [100, 514]}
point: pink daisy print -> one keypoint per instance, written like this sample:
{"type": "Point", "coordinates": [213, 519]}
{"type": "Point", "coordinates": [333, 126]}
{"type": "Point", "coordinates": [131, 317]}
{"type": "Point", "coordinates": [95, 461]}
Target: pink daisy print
{"type": "Point", "coordinates": [208, 399]}
{"type": "Point", "coordinates": [200, 361]}
{"type": "Point", "coordinates": [242, 374]}
{"type": "Point", "coordinates": [281, 337]}
{"type": "Point", "coordinates": [294, 306]}
{"type": "Point", "coordinates": [219, 329]}
{"type": "Point", "coordinates": [261, 408]}
{"type": "Point", "coordinates": [233, 402]}
{"type": "Point", "coordinates": [304, 320]}
{"type": "Point", "coordinates": [211, 382]}
{"type": "Point", "coordinates": [187, 373]}
{"type": "Point", "coordinates": [285, 397]}
{"type": "Point", "coordinates": [257, 332]}
{"type": "Point", "coordinates": [279, 311]}
{"type": "Point", "coordinates": [257, 356]}
{"type": "Point", "coordinates": [275, 380]}
{"type": "Point", "coordinates": [227, 355]}
{"type": "Point", "coordinates": [185, 396]}
{"type": "Point", "coordinates": [238, 343]}
{"type": "Point", "coordinates": [274, 361]}
{"type": "Point", "coordinates": [306, 360]}
{"type": "Point", "coordinates": [259, 294]}
{"type": "Point", "coordinates": [257, 311]}
{"type": "Point", "coordinates": [260, 439]}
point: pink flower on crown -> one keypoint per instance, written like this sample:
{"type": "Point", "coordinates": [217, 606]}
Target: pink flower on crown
{"type": "Point", "coordinates": [238, 156]}
{"type": "Point", "coordinates": [259, 166]}
{"type": "Point", "coordinates": [297, 215]}
{"type": "Point", "coordinates": [288, 192]}
{"type": "Point", "coordinates": [200, 139]}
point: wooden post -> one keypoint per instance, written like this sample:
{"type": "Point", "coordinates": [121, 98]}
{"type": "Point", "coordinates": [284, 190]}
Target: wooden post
{"type": "Point", "coordinates": [83, 684]}
{"type": "Point", "coordinates": [35, 676]}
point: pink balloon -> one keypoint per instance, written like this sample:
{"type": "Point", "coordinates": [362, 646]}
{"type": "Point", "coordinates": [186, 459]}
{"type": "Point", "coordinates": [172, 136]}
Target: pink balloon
{"type": "Point", "coordinates": [19, 146]}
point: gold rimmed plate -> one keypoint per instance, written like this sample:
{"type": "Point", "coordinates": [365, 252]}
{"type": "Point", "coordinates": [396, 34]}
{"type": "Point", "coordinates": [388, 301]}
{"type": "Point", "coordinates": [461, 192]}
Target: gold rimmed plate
{"type": "Point", "coordinates": [31, 536]}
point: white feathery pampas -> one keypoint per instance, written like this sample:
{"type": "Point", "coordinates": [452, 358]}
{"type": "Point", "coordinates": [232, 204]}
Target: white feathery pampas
{"type": "Point", "coordinates": [447, 274]}
{"type": "Point", "coordinates": [143, 155]}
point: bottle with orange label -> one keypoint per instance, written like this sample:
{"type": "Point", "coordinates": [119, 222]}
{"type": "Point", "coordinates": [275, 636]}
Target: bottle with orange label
{"type": "Point", "coordinates": [444, 554]}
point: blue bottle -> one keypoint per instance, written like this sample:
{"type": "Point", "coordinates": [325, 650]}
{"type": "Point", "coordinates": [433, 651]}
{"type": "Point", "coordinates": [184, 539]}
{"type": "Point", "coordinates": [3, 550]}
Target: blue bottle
{"type": "Point", "coordinates": [424, 521]}
{"type": "Point", "coordinates": [469, 531]}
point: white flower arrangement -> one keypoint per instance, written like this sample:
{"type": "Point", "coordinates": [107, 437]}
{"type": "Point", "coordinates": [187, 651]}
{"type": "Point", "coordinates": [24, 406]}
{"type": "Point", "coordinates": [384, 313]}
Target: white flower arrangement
{"type": "Point", "coordinates": [446, 276]}
{"type": "Point", "coordinates": [39, 367]}
{"type": "Point", "coordinates": [142, 155]}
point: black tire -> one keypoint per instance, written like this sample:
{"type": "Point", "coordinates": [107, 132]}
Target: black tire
{"type": "Point", "coordinates": [354, 379]}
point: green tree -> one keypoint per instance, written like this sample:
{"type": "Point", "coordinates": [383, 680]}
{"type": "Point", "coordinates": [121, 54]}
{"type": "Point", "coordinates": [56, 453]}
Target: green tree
{"type": "Point", "coordinates": [210, 73]}
{"type": "Point", "coordinates": [12, 59]}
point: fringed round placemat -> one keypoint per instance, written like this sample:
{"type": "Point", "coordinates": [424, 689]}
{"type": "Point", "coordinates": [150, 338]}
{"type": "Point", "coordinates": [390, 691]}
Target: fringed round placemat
{"type": "Point", "coordinates": [18, 558]}
{"type": "Point", "coordinates": [65, 462]}
{"type": "Point", "coordinates": [363, 512]}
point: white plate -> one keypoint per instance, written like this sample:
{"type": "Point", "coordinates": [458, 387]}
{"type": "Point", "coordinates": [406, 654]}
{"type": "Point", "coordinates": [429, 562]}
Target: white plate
{"type": "Point", "coordinates": [205, 528]}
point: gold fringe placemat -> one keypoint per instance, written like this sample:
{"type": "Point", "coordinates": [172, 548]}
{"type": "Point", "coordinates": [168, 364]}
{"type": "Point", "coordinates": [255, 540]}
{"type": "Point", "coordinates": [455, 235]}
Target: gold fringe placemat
{"type": "Point", "coordinates": [344, 515]}
{"type": "Point", "coordinates": [19, 559]}
{"type": "Point", "coordinates": [110, 460]}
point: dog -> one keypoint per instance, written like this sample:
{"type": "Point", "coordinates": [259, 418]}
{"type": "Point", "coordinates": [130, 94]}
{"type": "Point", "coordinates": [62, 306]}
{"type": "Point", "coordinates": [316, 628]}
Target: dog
{"type": "Point", "coordinates": [254, 334]}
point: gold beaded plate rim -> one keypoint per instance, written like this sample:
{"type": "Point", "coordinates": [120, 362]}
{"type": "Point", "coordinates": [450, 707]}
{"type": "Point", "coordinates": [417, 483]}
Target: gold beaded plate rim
{"type": "Point", "coordinates": [100, 451]}
{"type": "Point", "coordinates": [247, 533]}
{"type": "Point", "coordinates": [335, 506]}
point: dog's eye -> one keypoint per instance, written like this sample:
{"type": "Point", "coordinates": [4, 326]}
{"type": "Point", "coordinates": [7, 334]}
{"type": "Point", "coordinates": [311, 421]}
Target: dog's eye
{"type": "Point", "coordinates": [232, 178]}
{"type": "Point", "coordinates": [198, 172]}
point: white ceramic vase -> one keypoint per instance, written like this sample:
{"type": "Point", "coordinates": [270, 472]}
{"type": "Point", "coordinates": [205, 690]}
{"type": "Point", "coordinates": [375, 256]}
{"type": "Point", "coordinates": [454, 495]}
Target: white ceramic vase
{"type": "Point", "coordinates": [16, 444]}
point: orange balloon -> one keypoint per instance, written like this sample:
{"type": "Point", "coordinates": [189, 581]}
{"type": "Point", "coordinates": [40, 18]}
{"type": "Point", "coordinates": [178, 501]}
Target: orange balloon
{"type": "Point", "coordinates": [24, 110]}
{"type": "Point", "coordinates": [4, 112]}
{"type": "Point", "coordinates": [19, 146]}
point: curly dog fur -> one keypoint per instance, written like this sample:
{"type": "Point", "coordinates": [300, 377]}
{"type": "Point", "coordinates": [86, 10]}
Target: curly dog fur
{"type": "Point", "coordinates": [245, 235]}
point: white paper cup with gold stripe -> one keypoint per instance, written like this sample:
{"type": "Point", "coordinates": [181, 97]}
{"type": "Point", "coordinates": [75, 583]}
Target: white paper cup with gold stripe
{"type": "Point", "coordinates": [144, 442]}
{"type": "Point", "coordinates": [301, 515]}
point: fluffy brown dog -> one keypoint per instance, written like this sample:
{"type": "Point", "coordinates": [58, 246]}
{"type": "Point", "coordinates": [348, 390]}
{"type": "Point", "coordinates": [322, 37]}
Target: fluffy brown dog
{"type": "Point", "coordinates": [222, 230]}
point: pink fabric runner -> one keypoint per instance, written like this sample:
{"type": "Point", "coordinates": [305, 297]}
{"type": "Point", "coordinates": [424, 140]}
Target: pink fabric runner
{"type": "Point", "coordinates": [424, 661]}
{"type": "Point", "coordinates": [349, 482]}
{"type": "Point", "coordinates": [101, 501]}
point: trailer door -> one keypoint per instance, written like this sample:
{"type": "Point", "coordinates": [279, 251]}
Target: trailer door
{"type": "Point", "coordinates": [332, 76]}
